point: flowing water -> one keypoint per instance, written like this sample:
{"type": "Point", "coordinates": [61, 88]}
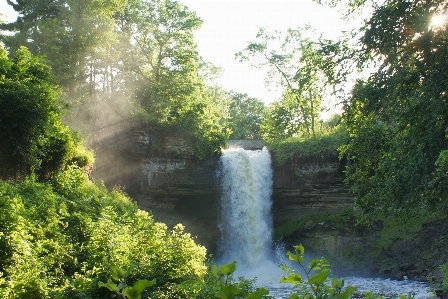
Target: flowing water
{"type": "Point", "coordinates": [246, 228]}
{"type": "Point", "coordinates": [246, 222]}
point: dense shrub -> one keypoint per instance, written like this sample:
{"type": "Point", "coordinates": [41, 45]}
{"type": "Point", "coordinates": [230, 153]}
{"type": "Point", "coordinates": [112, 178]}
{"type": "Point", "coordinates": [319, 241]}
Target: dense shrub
{"type": "Point", "coordinates": [285, 149]}
{"type": "Point", "coordinates": [32, 136]}
{"type": "Point", "coordinates": [58, 240]}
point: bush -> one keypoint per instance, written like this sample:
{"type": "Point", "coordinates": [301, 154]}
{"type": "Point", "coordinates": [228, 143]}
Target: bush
{"type": "Point", "coordinates": [33, 140]}
{"type": "Point", "coordinates": [285, 149]}
{"type": "Point", "coordinates": [58, 240]}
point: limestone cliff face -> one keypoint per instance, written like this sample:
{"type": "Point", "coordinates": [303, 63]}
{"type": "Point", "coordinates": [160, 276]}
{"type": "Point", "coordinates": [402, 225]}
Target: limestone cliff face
{"type": "Point", "coordinates": [305, 185]}
{"type": "Point", "coordinates": [160, 171]}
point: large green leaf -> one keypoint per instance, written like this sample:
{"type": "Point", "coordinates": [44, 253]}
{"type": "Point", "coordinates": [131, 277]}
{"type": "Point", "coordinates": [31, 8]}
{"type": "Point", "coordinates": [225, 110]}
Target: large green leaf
{"type": "Point", "coordinates": [227, 292]}
{"type": "Point", "coordinates": [228, 269]}
{"type": "Point", "coordinates": [315, 264]}
{"type": "Point", "coordinates": [258, 294]}
{"type": "Point", "coordinates": [349, 290]}
{"type": "Point", "coordinates": [131, 293]}
{"type": "Point", "coordinates": [295, 257]}
{"type": "Point", "coordinates": [215, 271]}
{"type": "Point", "coordinates": [136, 291]}
{"type": "Point", "coordinates": [110, 285]}
{"type": "Point", "coordinates": [142, 284]}
{"type": "Point", "coordinates": [319, 278]}
{"type": "Point", "coordinates": [285, 267]}
{"type": "Point", "coordinates": [292, 278]}
{"type": "Point", "coordinates": [337, 283]}
{"type": "Point", "coordinates": [299, 249]}
{"type": "Point", "coordinates": [118, 273]}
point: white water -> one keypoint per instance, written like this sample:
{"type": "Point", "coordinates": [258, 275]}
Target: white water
{"type": "Point", "coordinates": [246, 228]}
{"type": "Point", "coordinates": [246, 222]}
{"type": "Point", "coordinates": [385, 287]}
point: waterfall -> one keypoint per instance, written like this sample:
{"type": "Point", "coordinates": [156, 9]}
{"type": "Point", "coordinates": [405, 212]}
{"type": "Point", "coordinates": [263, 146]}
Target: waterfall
{"type": "Point", "coordinates": [246, 227]}
{"type": "Point", "coordinates": [246, 221]}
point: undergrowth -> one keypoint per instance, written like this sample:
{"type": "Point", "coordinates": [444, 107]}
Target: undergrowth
{"type": "Point", "coordinates": [58, 239]}
{"type": "Point", "coordinates": [305, 147]}
{"type": "Point", "coordinates": [401, 228]}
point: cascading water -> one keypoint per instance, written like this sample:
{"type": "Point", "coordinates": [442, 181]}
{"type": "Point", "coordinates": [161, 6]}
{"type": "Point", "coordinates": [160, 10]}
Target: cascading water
{"type": "Point", "coordinates": [246, 227]}
{"type": "Point", "coordinates": [246, 222]}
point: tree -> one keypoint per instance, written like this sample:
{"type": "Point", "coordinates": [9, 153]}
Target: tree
{"type": "Point", "coordinates": [32, 138]}
{"type": "Point", "coordinates": [172, 91]}
{"type": "Point", "coordinates": [298, 66]}
{"type": "Point", "coordinates": [245, 116]}
{"type": "Point", "coordinates": [71, 34]}
{"type": "Point", "coordinates": [398, 116]}
{"type": "Point", "coordinates": [167, 59]}
{"type": "Point", "coordinates": [281, 119]}
{"type": "Point", "coordinates": [120, 59]}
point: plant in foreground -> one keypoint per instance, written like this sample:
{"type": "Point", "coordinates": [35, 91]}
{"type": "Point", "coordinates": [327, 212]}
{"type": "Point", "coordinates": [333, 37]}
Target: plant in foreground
{"type": "Point", "coordinates": [122, 289]}
{"type": "Point", "coordinates": [316, 285]}
{"type": "Point", "coordinates": [229, 290]}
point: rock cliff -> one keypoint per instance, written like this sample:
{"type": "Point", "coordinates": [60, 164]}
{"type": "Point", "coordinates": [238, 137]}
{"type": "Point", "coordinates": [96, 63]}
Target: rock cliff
{"type": "Point", "coordinates": [160, 171]}
{"type": "Point", "coordinates": [305, 185]}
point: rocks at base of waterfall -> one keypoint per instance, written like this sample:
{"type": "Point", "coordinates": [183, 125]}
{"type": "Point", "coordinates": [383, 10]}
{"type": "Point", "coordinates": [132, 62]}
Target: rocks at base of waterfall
{"type": "Point", "coordinates": [351, 249]}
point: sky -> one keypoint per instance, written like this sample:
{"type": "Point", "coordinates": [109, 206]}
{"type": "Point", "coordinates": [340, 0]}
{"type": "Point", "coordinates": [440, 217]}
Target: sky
{"type": "Point", "coordinates": [230, 25]}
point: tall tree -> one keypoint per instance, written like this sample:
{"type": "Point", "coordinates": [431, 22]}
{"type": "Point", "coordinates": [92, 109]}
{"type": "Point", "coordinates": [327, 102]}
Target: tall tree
{"type": "Point", "coordinates": [294, 62]}
{"type": "Point", "coordinates": [117, 58]}
{"type": "Point", "coordinates": [245, 116]}
{"type": "Point", "coordinates": [32, 138]}
{"type": "Point", "coordinates": [67, 32]}
{"type": "Point", "coordinates": [398, 116]}
{"type": "Point", "coordinates": [168, 59]}
{"type": "Point", "coordinates": [282, 119]}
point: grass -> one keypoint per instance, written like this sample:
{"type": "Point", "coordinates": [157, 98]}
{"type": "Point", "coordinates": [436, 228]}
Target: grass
{"type": "Point", "coordinates": [304, 147]}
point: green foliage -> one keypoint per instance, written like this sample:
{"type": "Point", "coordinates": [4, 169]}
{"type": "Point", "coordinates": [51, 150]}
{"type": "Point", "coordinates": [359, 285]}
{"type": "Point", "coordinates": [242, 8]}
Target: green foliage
{"type": "Point", "coordinates": [122, 289]}
{"type": "Point", "coordinates": [169, 88]}
{"type": "Point", "coordinates": [337, 220]}
{"type": "Point", "coordinates": [398, 229]}
{"type": "Point", "coordinates": [317, 275]}
{"type": "Point", "coordinates": [304, 66]}
{"type": "Point", "coordinates": [167, 54]}
{"type": "Point", "coordinates": [292, 67]}
{"type": "Point", "coordinates": [74, 35]}
{"type": "Point", "coordinates": [57, 239]}
{"type": "Point", "coordinates": [32, 137]}
{"type": "Point", "coordinates": [123, 60]}
{"type": "Point", "coordinates": [281, 120]}
{"type": "Point", "coordinates": [227, 289]}
{"type": "Point", "coordinates": [329, 141]}
{"type": "Point", "coordinates": [444, 269]}
{"type": "Point", "coordinates": [218, 283]}
{"type": "Point", "coordinates": [397, 116]}
{"type": "Point", "coordinates": [245, 116]}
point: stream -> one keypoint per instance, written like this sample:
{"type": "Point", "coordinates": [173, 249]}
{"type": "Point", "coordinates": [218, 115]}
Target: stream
{"type": "Point", "coordinates": [385, 287]}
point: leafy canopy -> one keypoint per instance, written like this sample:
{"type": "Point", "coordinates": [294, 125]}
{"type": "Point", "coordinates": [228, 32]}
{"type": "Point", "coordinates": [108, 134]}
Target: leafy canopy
{"type": "Point", "coordinates": [32, 137]}
{"type": "Point", "coordinates": [120, 60]}
{"type": "Point", "coordinates": [398, 116]}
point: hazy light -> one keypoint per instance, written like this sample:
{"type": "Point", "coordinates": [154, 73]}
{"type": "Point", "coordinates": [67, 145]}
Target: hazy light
{"type": "Point", "coordinates": [438, 20]}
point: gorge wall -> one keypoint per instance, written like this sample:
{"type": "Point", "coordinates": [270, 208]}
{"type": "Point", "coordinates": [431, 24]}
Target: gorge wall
{"type": "Point", "coordinates": [161, 173]}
